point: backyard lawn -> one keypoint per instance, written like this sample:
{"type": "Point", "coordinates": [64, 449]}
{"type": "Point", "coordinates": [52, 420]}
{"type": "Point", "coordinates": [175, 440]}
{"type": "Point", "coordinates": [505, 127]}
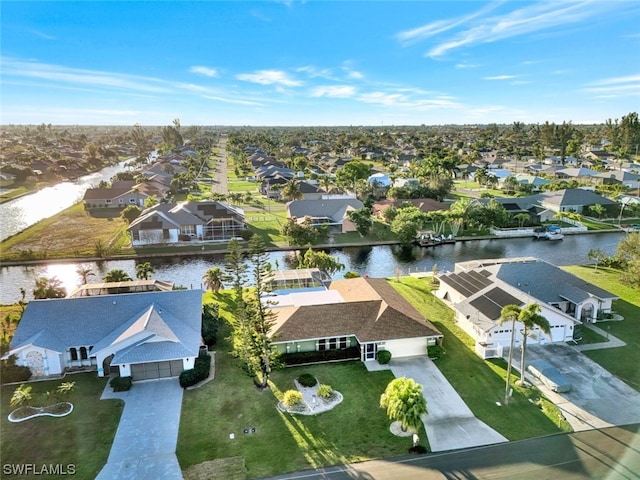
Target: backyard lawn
{"type": "Point", "coordinates": [83, 438]}
{"type": "Point", "coordinates": [623, 361]}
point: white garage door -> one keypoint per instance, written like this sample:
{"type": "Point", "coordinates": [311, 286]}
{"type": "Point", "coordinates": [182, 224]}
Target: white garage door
{"type": "Point", "coordinates": [147, 371]}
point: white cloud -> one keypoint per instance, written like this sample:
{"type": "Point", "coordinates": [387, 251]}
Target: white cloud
{"type": "Point", "coordinates": [409, 37]}
{"type": "Point", "coordinates": [501, 77]}
{"type": "Point", "coordinates": [206, 71]}
{"type": "Point", "coordinates": [467, 65]}
{"type": "Point", "coordinates": [269, 77]}
{"type": "Point", "coordinates": [525, 20]}
{"type": "Point", "coordinates": [42, 34]}
{"type": "Point", "coordinates": [233, 101]}
{"type": "Point", "coordinates": [315, 72]}
{"type": "Point", "coordinates": [335, 91]}
{"type": "Point", "coordinates": [626, 86]}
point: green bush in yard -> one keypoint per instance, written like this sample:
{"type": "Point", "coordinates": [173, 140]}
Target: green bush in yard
{"type": "Point", "coordinates": [198, 373]}
{"type": "Point", "coordinates": [307, 380]}
{"type": "Point", "coordinates": [121, 384]}
{"type": "Point", "coordinates": [384, 357]}
{"type": "Point", "coordinates": [12, 373]}
{"type": "Point", "coordinates": [292, 397]}
{"type": "Point", "coordinates": [435, 351]}
{"type": "Point", "coordinates": [325, 391]}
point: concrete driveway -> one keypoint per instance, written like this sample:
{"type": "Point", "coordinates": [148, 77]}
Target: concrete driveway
{"type": "Point", "coordinates": [597, 399]}
{"type": "Point", "coordinates": [450, 424]}
{"type": "Point", "coordinates": [145, 443]}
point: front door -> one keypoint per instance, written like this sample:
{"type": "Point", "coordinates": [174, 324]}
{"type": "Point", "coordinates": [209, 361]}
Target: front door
{"type": "Point", "coordinates": [370, 350]}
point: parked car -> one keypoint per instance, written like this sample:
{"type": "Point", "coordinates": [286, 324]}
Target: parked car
{"type": "Point", "coordinates": [548, 375]}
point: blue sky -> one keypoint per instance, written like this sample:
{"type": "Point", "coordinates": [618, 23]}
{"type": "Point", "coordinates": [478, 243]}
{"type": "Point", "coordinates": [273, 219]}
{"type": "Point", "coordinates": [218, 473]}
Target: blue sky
{"type": "Point", "coordinates": [318, 62]}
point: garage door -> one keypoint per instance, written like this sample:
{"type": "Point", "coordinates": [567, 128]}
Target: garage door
{"type": "Point", "coordinates": [147, 371]}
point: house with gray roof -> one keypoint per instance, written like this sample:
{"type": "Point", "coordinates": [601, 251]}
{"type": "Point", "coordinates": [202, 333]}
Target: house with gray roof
{"type": "Point", "coordinates": [478, 290]}
{"type": "Point", "coordinates": [119, 195]}
{"type": "Point", "coordinates": [363, 313]}
{"type": "Point", "coordinates": [142, 335]}
{"type": "Point", "coordinates": [187, 221]}
{"type": "Point", "coordinates": [326, 211]}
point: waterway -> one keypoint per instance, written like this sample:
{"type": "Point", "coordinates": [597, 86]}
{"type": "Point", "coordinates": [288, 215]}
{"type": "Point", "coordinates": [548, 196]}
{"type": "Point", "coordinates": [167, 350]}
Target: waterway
{"type": "Point", "coordinates": [377, 261]}
{"type": "Point", "coordinates": [28, 210]}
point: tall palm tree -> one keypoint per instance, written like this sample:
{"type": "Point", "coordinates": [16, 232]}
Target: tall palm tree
{"type": "Point", "coordinates": [213, 279]}
{"type": "Point", "coordinates": [291, 190]}
{"type": "Point", "coordinates": [509, 313]}
{"type": "Point", "coordinates": [144, 271]}
{"type": "Point", "coordinates": [117, 275]}
{"type": "Point", "coordinates": [530, 318]}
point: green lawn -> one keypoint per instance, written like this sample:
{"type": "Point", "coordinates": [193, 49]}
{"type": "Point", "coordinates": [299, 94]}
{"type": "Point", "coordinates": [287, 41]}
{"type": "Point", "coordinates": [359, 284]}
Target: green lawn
{"type": "Point", "coordinates": [481, 383]}
{"type": "Point", "coordinates": [623, 361]}
{"type": "Point", "coordinates": [355, 430]}
{"type": "Point", "coordinates": [83, 438]}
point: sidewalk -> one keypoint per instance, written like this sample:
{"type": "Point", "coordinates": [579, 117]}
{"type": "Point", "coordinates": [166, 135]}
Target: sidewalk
{"type": "Point", "coordinates": [613, 342]}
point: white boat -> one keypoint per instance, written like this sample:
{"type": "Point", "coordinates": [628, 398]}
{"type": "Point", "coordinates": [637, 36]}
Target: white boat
{"type": "Point", "coordinates": [553, 235]}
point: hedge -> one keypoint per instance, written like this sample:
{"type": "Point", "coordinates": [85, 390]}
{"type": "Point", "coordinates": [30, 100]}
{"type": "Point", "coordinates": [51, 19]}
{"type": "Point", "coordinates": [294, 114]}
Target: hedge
{"type": "Point", "coordinates": [198, 373]}
{"type": "Point", "coordinates": [121, 384]}
{"type": "Point", "coordinates": [299, 358]}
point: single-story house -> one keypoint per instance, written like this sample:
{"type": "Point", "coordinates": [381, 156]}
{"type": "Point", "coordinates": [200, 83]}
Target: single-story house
{"type": "Point", "coordinates": [571, 200]}
{"type": "Point", "coordinates": [366, 313]}
{"type": "Point", "coordinates": [119, 195]}
{"type": "Point", "coordinates": [172, 223]}
{"type": "Point", "coordinates": [619, 177]}
{"type": "Point", "coordinates": [142, 335]}
{"type": "Point", "coordinates": [326, 211]}
{"type": "Point", "coordinates": [112, 288]}
{"type": "Point", "coordinates": [478, 290]}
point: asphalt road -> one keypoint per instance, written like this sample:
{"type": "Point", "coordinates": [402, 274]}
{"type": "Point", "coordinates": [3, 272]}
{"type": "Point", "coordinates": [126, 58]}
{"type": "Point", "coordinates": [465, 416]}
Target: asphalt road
{"type": "Point", "coordinates": [611, 453]}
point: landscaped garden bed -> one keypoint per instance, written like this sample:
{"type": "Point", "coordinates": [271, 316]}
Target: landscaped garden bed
{"type": "Point", "coordinates": [60, 409]}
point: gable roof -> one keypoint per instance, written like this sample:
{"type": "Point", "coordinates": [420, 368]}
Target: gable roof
{"type": "Point", "coordinates": [167, 322]}
{"type": "Point", "coordinates": [372, 311]}
{"type": "Point", "coordinates": [333, 208]}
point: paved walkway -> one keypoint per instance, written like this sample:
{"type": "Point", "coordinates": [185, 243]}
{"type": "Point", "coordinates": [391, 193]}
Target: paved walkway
{"type": "Point", "coordinates": [145, 443]}
{"type": "Point", "coordinates": [612, 343]}
{"type": "Point", "coordinates": [450, 424]}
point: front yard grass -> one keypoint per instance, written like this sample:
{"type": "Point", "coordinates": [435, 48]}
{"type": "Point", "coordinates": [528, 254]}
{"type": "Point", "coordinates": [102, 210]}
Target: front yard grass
{"type": "Point", "coordinates": [83, 438]}
{"type": "Point", "coordinates": [481, 383]}
{"type": "Point", "coordinates": [356, 430]}
{"type": "Point", "coordinates": [622, 361]}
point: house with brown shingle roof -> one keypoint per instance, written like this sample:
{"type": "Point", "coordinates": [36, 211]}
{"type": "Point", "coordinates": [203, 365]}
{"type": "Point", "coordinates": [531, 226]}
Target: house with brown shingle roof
{"type": "Point", "coordinates": [366, 313]}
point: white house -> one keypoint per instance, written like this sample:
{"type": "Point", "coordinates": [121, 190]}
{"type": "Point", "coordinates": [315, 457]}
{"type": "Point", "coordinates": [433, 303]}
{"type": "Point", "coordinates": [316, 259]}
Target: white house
{"type": "Point", "coordinates": [478, 291]}
{"type": "Point", "coordinates": [143, 335]}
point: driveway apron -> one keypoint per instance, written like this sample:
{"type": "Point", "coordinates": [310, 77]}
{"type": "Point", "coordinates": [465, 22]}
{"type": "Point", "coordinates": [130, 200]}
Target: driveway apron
{"type": "Point", "coordinates": [450, 424]}
{"type": "Point", "coordinates": [145, 443]}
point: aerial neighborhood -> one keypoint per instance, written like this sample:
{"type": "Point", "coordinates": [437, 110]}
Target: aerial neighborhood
{"type": "Point", "coordinates": [271, 317]}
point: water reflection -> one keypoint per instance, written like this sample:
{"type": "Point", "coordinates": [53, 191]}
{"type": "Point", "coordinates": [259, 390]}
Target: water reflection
{"type": "Point", "coordinates": [379, 261]}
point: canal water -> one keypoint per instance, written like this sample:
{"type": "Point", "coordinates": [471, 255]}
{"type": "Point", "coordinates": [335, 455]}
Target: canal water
{"type": "Point", "coordinates": [28, 210]}
{"type": "Point", "coordinates": [378, 261]}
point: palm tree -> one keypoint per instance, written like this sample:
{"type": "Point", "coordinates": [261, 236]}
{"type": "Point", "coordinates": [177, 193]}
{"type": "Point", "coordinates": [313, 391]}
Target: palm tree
{"type": "Point", "coordinates": [509, 312]}
{"type": "Point", "coordinates": [530, 318]}
{"type": "Point", "coordinates": [460, 211]}
{"type": "Point", "coordinates": [116, 275]}
{"type": "Point", "coordinates": [84, 273]}
{"type": "Point", "coordinates": [213, 279]}
{"type": "Point", "coordinates": [521, 218]}
{"type": "Point", "coordinates": [291, 190]}
{"type": "Point", "coordinates": [404, 402]}
{"type": "Point", "coordinates": [49, 288]}
{"type": "Point", "coordinates": [21, 395]}
{"type": "Point", "coordinates": [144, 271]}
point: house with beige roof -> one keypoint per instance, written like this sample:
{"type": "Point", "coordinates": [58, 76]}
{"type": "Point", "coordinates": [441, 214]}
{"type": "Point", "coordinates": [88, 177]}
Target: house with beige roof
{"type": "Point", "coordinates": [365, 313]}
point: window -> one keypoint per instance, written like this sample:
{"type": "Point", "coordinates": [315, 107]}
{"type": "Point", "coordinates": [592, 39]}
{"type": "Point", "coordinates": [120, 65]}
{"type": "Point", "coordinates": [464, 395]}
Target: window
{"type": "Point", "coordinates": [333, 343]}
{"type": "Point", "coordinates": [132, 201]}
{"type": "Point", "coordinates": [120, 200]}
{"type": "Point", "coordinates": [107, 201]}
{"type": "Point", "coordinates": [74, 353]}
{"type": "Point", "coordinates": [83, 353]}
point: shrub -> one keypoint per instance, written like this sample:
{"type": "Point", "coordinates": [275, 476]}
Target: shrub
{"type": "Point", "coordinates": [11, 373]}
{"type": "Point", "coordinates": [418, 449]}
{"type": "Point", "coordinates": [384, 357]}
{"type": "Point", "coordinates": [307, 380]}
{"type": "Point", "coordinates": [352, 274]}
{"type": "Point", "coordinates": [121, 384]}
{"type": "Point", "coordinates": [435, 351]}
{"type": "Point", "coordinates": [301, 358]}
{"type": "Point", "coordinates": [198, 373]}
{"type": "Point", "coordinates": [291, 398]}
{"type": "Point", "coordinates": [325, 391]}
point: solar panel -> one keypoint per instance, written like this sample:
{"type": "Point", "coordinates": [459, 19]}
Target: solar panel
{"type": "Point", "coordinates": [487, 307]}
{"type": "Point", "coordinates": [454, 282]}
{"type": "Point", "coordinates": [501, 297]}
